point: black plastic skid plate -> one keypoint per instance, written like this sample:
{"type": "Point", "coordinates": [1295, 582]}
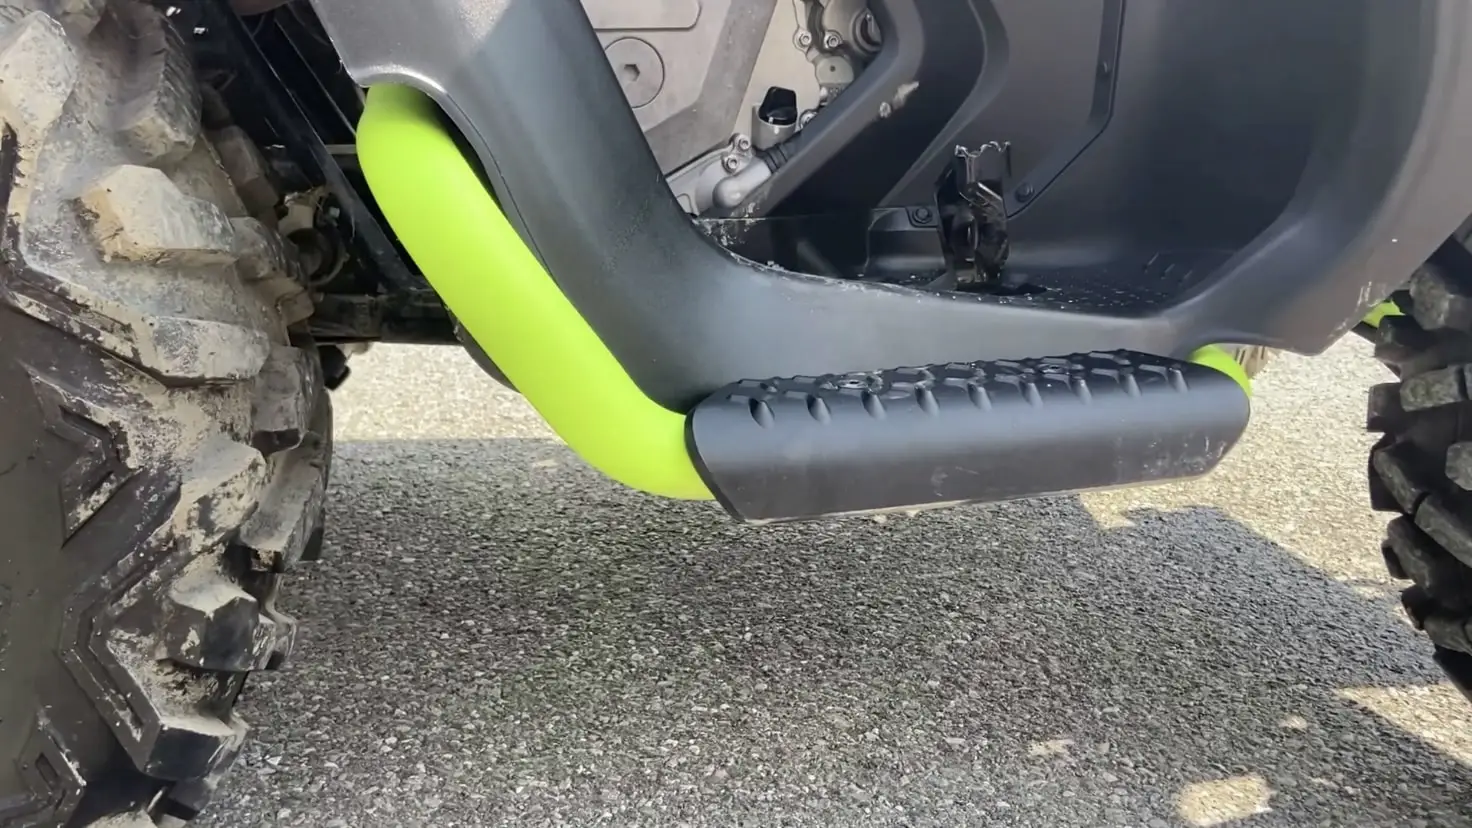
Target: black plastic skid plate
{"type": "Point", "coordinates": [804, 447]}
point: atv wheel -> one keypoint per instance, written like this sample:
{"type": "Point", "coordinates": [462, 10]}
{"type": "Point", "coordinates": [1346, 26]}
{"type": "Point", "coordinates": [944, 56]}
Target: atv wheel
{"type": "Point", "coordinates": [163, 431]}
{"type": "Point", "coordinates": [1421, 468]}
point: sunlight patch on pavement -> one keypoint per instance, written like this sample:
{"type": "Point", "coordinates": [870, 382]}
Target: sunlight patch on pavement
{"type": "Point", "coordinates": [1434, 713]}
{"type": "Point", "coordinates": [1108, 509]}
{"type": "Point", "coordinates": [1221, 801]}
{"type": "Point", "coordinates": [428, 392]}
{"type": "Point", "coordinates": [1293, 722]}
{"type": "Point", "coordinates": [1051, 747]}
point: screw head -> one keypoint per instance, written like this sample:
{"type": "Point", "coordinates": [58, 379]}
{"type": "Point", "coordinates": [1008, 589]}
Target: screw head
{"type": "Point", "coordinates": [832, 40]}
{"type": "Point", "coordinates": [804, 40]}
{"type": "Point", "coordinates": [730, 163]}
{"type": "Point", "coordinates": [743, 144]}
{"type": "Point", "coordinates": [1025, 192]}
{"type": "Point", "coordinates": [922, 215]}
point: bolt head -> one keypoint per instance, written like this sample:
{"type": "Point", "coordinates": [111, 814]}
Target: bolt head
{"type": "Point", "coordinates": [806, 118]}
{"type": "Point", "coordinates": [730, 163]}
{"type": "Point", "coordinates": [832, 40]}
{"type": "Point", "coordinates": [743, 143]}
{"type": "Point", "coordinates": [804, 40]}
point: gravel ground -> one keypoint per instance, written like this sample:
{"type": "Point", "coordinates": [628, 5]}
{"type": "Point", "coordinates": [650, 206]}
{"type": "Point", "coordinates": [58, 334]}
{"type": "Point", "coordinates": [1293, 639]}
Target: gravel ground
{"type": "Point", "coordinates": [497, 636]}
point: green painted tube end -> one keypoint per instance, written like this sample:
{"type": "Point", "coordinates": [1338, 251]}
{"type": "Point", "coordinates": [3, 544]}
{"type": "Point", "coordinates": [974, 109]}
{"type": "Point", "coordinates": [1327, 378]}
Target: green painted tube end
{"type": "Point", "coordinates": [1218, 359]}
{"type": "Point", "coordinates": [1381, 311]}
{"type": "Point", "coordinates": [486, 275]}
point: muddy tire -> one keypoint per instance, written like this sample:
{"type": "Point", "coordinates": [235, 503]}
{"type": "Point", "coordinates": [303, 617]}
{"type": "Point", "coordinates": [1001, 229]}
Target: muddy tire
{"type": "Point", "coordinates": [164, 432]}
{"type": "Point", "coordinates": [1421, 469]}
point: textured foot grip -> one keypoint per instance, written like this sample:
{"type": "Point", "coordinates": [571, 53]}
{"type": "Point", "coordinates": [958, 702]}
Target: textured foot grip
{"type": "Point", "coordinates": [804, 447]}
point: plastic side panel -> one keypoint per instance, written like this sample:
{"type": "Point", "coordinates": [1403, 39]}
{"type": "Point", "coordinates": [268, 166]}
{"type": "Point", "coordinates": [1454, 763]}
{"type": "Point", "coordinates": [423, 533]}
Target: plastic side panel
{"type": "Point", "coordinates": [1324, 144]}
{"type": "Point", "coordinates": [538, 101]}
{"type": "Point", "coordinates": [1045, 86]}
{"type": "Point", "coordinates": [1389, 180]}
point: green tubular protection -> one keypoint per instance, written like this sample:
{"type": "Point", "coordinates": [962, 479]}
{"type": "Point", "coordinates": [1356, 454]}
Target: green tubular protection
{"type": "Point", "coordinates": [1217, 358]}
{"type": "Point", "coordinates": [1381, 311]}
{"type": "Point", "coordinates": [472, 256]}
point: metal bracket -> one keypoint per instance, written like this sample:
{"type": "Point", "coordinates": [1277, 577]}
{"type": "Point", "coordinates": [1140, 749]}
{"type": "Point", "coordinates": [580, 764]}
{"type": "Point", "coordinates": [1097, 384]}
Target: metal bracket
{"type": "Point", "coordinates": [972, 202]}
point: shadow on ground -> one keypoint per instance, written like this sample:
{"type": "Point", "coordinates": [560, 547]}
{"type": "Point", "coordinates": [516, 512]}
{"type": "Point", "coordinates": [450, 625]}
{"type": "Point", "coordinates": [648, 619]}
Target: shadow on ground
{"type": "Point", "coordinates": [498, 636]}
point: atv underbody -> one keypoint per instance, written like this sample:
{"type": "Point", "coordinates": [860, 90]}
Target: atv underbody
{"type": "Point", "coordinates": [801, 257]}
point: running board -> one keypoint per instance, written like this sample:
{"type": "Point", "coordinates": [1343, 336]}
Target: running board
{"type": "Point", "coordinates": [909, 438]}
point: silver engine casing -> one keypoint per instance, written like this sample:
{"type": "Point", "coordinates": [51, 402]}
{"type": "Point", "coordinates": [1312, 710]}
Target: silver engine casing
{"type": "Point", "coordinates": [694, 72]}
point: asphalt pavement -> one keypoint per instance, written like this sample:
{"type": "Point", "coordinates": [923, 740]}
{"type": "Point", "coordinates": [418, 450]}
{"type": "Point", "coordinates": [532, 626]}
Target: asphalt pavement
{"type": "Point", "coordinates": [499, 636]}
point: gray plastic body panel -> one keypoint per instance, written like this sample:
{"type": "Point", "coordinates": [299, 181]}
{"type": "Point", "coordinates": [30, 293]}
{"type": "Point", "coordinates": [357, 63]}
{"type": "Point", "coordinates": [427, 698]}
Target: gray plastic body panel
{"type": "Point", "coordinates": [804, 447]}
{"type": "Point", "coordinates": [1387, 180]}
